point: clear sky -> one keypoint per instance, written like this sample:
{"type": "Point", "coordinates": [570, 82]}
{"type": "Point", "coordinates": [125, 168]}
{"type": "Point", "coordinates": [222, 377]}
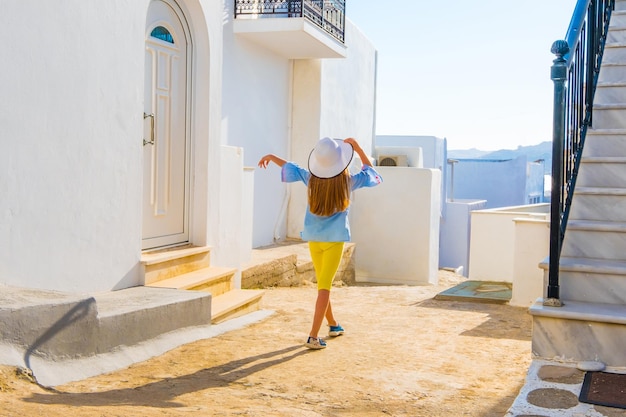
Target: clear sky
{"type": "Point", "coordinates": [476, 72]}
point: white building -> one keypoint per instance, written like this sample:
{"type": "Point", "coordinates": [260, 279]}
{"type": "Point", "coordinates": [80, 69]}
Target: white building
{"type": "Point", "coordinates": [129, 126]}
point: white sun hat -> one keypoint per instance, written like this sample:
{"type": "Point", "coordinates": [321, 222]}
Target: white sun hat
{"type": "Point", "coordinates": [330, 157]}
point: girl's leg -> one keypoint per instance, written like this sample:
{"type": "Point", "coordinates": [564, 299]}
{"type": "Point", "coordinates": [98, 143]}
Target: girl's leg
{"type": "Point", "coordinates": [329, 314]}
{"type": "Point", "coordinates": [326, 258]}
{"type": "Point", "coordinates": [321, 305]}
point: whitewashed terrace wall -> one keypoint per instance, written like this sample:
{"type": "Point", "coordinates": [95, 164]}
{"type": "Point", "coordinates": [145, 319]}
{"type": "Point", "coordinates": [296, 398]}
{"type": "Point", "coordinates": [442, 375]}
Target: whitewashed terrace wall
{"type": "Point", "coordinates": [507, 244]}
{"type": "Point", "coordinates": [395, 226]}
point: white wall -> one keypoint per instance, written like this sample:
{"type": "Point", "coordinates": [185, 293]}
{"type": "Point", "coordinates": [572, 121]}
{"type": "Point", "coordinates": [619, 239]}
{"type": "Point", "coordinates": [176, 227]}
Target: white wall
{"type": "Point", "coordinates": [307, 107]}
{"type": "Point", "coordinates": [256, 116]}
{"type": "Point", "coordinates": [492, 242]}
{"type": "Point", "coordinates": [501, 183]}
{"type": "Point", "coordinates": [531, 246]}
{"type": "Point", "coordinates": [71, 141]}
{"type": "Point", "coordinates": [348, 91]}
{"type": "Point", "coordinates": [395, 226]}
{"type": "Point", "coordinates": [455, 232]}
{"type": "Point", "coordinates": [236, 208]}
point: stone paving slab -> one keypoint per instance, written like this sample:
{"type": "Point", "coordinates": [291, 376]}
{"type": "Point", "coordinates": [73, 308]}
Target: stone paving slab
{"type": "Point", "coordinates": [552, 389]}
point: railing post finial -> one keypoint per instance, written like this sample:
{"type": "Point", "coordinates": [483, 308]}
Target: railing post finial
{"type": "Point", "coordinates": [559, 48]}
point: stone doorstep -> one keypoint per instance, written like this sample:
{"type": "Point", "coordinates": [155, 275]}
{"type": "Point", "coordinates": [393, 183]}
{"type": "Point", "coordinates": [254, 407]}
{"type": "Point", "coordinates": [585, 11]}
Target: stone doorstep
{"type": "Point", "coordinates": [288, 264]}
{"type": "Point", "coordinates": [59, 326]}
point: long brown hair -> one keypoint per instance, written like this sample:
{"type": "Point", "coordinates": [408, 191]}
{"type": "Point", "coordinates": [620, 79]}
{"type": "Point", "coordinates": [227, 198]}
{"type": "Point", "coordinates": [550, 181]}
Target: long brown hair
{"type": "Point", "coordinates": [328, 196]}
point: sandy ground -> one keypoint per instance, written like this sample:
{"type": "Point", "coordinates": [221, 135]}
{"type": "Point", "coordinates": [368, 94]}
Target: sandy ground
{"type": "Point", "coordinates": [403, 354]}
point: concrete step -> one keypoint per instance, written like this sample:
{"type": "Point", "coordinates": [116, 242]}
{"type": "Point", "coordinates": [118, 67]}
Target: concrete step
{"type": "Point", "coordinates": [618, 17]}
{"type": "Point", "coordinates": [216, 280]}
{"type": "Point", "coordinates": [605, 142]}
{"type": "Point", "coordinates": [617, 34]}
{"type": "Point", "coordinates": [610, 92]}
{"type": "Point", "coordinates": [590, 280]}
{"type": "Point", "coordinates": [620, 6]}
{"type": "Point", "coordinates": [60, 326]}
{"type": "Point", "coordinates": [599, 204]}
{"type": "Point", "coordinates": [610, 116]}
{"type": "Point", "coordinates": [580, 331]}
{"type": "Point", "coordinates": [235, 303]}
{"type": "Point", "coordinates": [602, 171]}
{"type": "Point", "coordinates": [615, 52]}
{"type": "Point", "coordinates": [168, 263]}
{"type": "Point", "coordinates": [595, 239]}
{"type": "Point", "coordinates": [612, 72]}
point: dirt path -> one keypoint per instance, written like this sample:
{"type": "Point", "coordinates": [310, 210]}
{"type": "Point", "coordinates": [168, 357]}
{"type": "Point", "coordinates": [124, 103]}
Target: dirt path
{"type": "Point", "coordinates": [403, 354]}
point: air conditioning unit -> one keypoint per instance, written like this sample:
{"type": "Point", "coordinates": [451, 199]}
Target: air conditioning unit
{"type": "Point", "coordinates": [393, 161]}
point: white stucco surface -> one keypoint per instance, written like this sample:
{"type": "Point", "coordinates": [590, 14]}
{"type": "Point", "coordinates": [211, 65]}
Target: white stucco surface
{"type": "Point", "coordinates": [493, 242]}
{"type": "Point", "coordinates": [71, 139]}
{"type": "Point", "coordinates": [456, 232]}
{"type": "Point", "coordinates": [71, 142]}
{"type": "Point", "coordinates": [502, 183]}
{"type": "Point", "coordinates": [395, 226]}
{"type": "Point", "coordinates": [531, 246]}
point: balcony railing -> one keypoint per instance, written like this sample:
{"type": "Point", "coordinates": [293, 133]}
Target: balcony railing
{"type": "Point", "coordinates": [575, 74]}
{"type": "Point", "coordinates": [327, 14]}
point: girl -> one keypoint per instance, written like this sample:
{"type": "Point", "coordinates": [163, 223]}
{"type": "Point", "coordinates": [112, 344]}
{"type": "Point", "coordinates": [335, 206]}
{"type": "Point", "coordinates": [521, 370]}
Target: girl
{"type": "Point", "coordinates": [326, 226]}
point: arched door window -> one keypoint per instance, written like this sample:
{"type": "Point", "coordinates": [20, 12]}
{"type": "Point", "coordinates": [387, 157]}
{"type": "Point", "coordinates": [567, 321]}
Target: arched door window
{"type": "Point", "coordinates": [162, 33]}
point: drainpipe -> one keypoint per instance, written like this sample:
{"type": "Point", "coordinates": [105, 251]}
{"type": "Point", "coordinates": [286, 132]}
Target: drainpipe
{"type": "Point", "coordinates": [283, 209]}
{"type": "Point", "coordinates": [452, 162]}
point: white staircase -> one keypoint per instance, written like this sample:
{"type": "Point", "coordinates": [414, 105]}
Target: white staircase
{"type": "Point", "coordinates": [189, 268]}
{"type": "Point", "coordinates": [591, 324]}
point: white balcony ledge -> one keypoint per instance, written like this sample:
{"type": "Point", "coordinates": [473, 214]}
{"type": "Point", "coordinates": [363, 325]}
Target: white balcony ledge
{"type": "Point", "coordinates": [293, 38]}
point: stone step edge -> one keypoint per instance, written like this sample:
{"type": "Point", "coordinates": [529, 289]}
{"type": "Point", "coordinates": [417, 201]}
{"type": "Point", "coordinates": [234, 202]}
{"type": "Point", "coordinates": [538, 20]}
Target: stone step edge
{"type": "Point", "coordinates": [609, 106]}
{"type": "Point", "coordinates": [194, 279]}
{"type": "Point", "coordinates": [608, 132]}
{"type": "Point", "coordinates": [596, 226]}
{"type": "Point", "coordinates": [588, 265]}
{"type": "Point", "coordinates": [601, 191]}
{"type": "Point", "coordinates": [609, 84]}
{"type": "Point", "coordinates": [581, 311]}
{"type": "Point", "coordinates": [226, 303]}
{"type": "Point", "coordinates": [604, 160]}
{"type": "Point", "coordinates": [152, 258]}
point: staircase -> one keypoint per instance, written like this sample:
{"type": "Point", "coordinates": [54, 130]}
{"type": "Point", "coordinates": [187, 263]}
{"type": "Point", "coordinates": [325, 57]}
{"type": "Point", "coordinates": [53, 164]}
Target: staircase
{"type": "Point", "coordinates": [591, 324]}
{"type": "Point", "coordinates": [189, 268]}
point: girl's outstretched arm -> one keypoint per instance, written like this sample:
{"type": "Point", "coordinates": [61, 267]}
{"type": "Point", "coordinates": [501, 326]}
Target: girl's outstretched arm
{"type": "Point", "coordinates": [357, 148]}
{"type": "Point", "coordinates": [264, 162]}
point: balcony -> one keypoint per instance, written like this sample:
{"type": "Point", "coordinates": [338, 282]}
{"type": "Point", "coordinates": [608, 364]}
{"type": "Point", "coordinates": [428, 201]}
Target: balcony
{"type": "Point", "coordinates": [295, 29]}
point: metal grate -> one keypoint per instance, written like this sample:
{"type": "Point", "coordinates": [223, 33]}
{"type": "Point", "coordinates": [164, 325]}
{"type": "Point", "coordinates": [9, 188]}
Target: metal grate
{"type": "Point", "coordinates": [327, 14]}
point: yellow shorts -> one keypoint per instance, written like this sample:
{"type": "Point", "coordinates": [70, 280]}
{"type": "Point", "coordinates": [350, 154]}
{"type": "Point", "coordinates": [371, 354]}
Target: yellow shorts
{"type": "Point", "coordinates": [326, 257]}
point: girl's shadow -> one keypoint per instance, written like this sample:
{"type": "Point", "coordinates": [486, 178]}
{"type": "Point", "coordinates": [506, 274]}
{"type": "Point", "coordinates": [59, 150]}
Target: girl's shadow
{"type": "Point", "coordinates": [160, 394]}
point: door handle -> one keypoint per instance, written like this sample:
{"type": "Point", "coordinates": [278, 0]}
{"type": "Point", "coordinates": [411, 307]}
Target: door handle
{"type": "Point", "coordinates": [151, 141]}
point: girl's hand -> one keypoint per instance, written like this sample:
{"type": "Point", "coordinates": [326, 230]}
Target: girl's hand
{"type": "Point", "coordinates": [264, 162]}
{"type": "Point", "coordinates": [352, 142]}
{"type": "Point", "coordinates": [365, 160]}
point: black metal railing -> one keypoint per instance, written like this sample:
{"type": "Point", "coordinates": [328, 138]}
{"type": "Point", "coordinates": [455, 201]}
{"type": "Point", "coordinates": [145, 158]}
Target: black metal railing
{"type": "Point", "coordinates": [575, 75]}
{"type": "Point", "coordinates": [329, 15]}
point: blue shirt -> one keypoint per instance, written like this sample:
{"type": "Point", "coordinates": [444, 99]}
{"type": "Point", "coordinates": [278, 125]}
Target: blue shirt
{"type": "Point", "coordinates": [334, 228]}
